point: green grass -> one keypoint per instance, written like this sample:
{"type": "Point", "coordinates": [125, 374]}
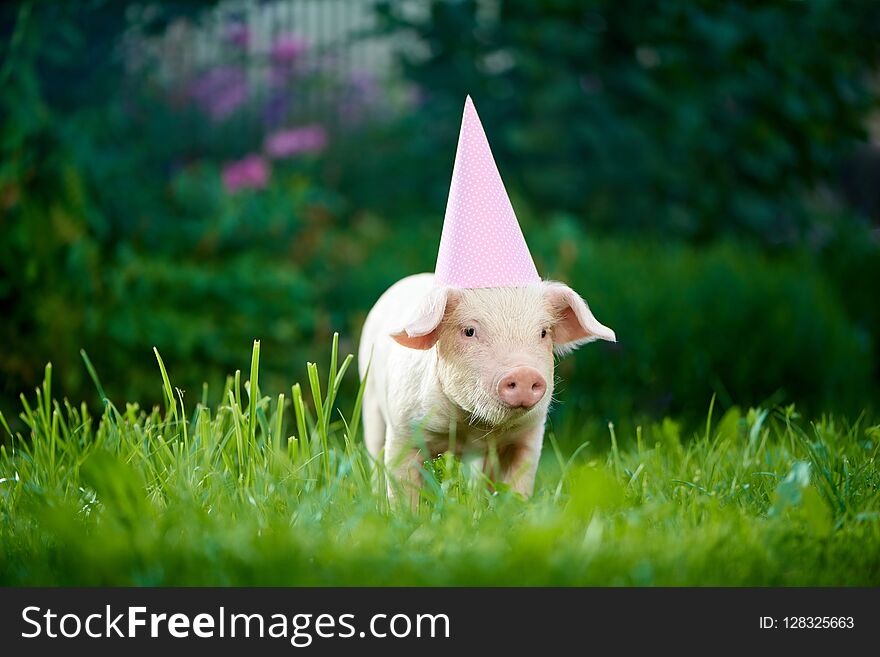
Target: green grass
{"type": "Point", "coordinates": [279, 490]}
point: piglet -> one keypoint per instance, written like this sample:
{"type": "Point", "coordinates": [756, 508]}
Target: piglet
{"type": "Point", "coordinates": [469, 366]}
{"type": "Point", "coordinates": [462, 359]}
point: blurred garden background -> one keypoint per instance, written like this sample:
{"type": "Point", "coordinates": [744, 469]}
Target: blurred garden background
{"type": "Point", "coordinates": [195, 175]}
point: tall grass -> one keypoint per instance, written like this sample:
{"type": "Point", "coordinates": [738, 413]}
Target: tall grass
{"type": "Point", "coordinates": [263, 489]}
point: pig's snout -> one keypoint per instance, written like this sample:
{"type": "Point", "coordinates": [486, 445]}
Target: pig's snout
{"type": "Point", "coordinates": [522, 387]}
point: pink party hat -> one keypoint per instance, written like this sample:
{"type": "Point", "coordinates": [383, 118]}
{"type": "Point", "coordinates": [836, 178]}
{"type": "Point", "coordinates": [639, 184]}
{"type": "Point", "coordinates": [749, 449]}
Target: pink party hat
{"type": "Point", "coordinates": [482, 244]}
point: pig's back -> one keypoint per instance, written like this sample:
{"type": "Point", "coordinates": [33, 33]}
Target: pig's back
{"type": "Point", "coordinates": [390, 313]}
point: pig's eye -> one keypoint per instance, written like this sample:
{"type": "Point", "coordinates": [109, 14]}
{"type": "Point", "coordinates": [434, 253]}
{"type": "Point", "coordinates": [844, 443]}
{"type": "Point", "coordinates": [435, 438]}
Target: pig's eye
{"type": "Point", "coordinates": [543, 333]}
{"type": "Point", "coordinates": [470, 332]}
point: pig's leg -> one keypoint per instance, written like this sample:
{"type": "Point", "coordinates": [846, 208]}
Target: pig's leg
{"type": "Point", "coordinates": [519, 462]}
{"type": "Point", "coordinates": [402, 462]}
{"type": "Point", "coordinates": [474, 464]}
{"type": "Point", "coordinates": [374, 424]}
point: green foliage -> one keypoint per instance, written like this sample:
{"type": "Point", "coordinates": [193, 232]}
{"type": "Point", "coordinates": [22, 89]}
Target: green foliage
{"type": "Point", "coordinates": [119, 236]}
{"type": "Point", "coordinates": [695, 119]}
{"type": "Point", "coordinates": [259, 491]}
{"type": "Point", "coordinates": [691, 323]}
{"type": "Point", "coordinates": [288, 265]}
{"type": "Point", "coordinates": [851, 263]}
{"type": "Point", "coordinates": [77, 273]}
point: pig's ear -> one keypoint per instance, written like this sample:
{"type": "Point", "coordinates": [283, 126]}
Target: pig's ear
{"type": "Point", "coordinates": [423, 329]}
{"type": "Point", "coordinates": [575, 324]}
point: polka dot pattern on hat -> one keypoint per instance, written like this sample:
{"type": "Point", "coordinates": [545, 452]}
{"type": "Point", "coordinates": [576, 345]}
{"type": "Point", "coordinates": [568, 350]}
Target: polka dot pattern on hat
{"type": "Point", "coordinates": [482, 244]}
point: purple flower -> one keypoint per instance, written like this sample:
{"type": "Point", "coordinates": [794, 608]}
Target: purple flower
{"type": "Point", "coordinates": [251, 172]}
{"type": "Point", "coordinates": [360, 97]}
{"type": "Point", "coordinates": [286, 62]}
{"type": "Point", "coordinates": [290, 142]}
{"type": "Point", "coordinates": [220, 91]}
{"type": "Point", "coordinates": [276, 109]}
{"type": "Point", "coordinates": [287, 48]}
{"type": "Point", "coordinates": [238, 34]}
{"type": "Point", "coordinates": [364, 84]}
{"type": "Point", "coordinates": [280, 75]}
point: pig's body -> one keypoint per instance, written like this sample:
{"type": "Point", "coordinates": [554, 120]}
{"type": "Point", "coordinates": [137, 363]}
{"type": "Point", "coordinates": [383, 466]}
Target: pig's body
{"type": "Point", "coordinates": [402, 389]}
{"type": "Point", "coordinates": [404, 399]}
{"type": "Point", "coordinates": [444, 368]}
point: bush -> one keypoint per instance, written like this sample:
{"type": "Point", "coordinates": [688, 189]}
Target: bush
{"type": "Point", "coordinates": [120, 234]}
{"type": "Point", "coordinates": [289, 265]}
{"type": "Point", "coordinates": [851, 262]}
{"type": "Point", "coordinates": [137, 213]}
{"type": "Point", "coordinates": [257, 264]}
{"type": "Point", "coordinates": [693, 119]}
{"type": "Point", "coordinates": [695, 322]}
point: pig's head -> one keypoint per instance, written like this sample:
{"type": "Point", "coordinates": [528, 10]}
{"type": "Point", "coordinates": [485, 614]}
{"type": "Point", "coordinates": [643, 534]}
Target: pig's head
{"type": "Point", "coordinates": [495, 346]}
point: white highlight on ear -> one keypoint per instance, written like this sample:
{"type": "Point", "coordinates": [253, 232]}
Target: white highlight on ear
{"type": "Point", "coordinates": [421, 331]}
{"type": "Point", "coordinates": [576, 324]}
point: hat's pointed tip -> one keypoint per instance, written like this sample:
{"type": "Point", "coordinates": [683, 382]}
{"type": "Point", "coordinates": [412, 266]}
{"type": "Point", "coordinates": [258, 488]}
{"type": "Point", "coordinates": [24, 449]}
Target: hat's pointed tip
{"type": "Point", "coordinates": [469, 116]}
